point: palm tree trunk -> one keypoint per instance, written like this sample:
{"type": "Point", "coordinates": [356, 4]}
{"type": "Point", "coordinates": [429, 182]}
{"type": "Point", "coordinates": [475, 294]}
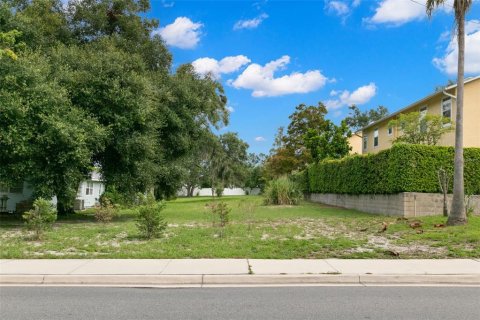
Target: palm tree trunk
{"type": "Point", "coordinates": [457, 214]}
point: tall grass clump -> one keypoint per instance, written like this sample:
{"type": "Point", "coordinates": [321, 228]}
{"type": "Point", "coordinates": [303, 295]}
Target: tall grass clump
{"type": "Point", "coordinates": [282, 191]}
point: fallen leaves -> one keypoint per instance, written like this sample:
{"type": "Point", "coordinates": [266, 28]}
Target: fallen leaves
{"type": "Point", "coordinates": [384, 227]}
{"type": "Point", "coordinates": [415, 224]}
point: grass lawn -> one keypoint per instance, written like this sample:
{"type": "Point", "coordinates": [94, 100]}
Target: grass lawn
{"type": "Point", "coordinates": [282, 232]}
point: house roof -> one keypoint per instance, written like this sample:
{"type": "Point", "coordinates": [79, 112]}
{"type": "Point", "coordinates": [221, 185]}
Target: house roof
{"type": "Point", "coordinates": [391, 115]}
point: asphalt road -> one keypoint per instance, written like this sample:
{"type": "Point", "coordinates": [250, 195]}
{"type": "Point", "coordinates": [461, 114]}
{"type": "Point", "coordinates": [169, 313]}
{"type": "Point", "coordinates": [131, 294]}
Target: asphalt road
{"type": "Point", "coordinates": [240, 303]}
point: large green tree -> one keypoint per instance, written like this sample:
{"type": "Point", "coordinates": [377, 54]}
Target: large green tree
{"type": "Point", "coordinates": [303, 119]}
{"type": "Point", "coordinates": [460, 7]}
{"type": "Point", "coordinates": [329, 143]}
{"type": "Point", "coordinates": [45, 140]}
{"type": "Point", "coordinates": [358, 119]}
{"type": "Point", "coordinates": [309, 137]}
{"type": "Point", "coordinates": [226, 162]}
{"type": "Point", "coordinates": [117, 87]}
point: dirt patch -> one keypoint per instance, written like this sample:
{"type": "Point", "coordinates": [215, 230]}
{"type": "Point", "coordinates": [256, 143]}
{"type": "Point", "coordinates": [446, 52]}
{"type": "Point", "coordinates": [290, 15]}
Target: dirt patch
{"type": "Point", "coordinates": [12, 234]}
{"type": "Point", "coordinates": [376, 242]}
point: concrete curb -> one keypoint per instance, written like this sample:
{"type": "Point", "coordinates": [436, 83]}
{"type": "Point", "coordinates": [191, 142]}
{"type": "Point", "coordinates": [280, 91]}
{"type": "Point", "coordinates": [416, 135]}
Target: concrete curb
{"type": "Point", "coordinates": [238, 280]}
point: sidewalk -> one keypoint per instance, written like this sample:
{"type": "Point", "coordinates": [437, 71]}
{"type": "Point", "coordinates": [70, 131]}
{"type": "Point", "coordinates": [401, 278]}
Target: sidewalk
{"type": "Point", "coordinates": [237, 272]}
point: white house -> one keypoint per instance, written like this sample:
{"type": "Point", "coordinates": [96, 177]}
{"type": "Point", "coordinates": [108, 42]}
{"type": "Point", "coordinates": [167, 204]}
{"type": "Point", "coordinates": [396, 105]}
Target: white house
{"type": "Point", "coordinates": [20, 197]}
{"type": "Point", "coordinates": [10, 197]}
{"type": "Point", "coordinates": [89, 192]}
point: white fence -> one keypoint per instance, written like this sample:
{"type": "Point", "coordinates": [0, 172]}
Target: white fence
{"type": "Point", "coordinates": [205, 192]}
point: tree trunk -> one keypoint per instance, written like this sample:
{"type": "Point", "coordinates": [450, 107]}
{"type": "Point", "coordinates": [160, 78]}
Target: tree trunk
{"type": "Point", "coordinates": [190, 190]}
{"type": "Point", "coordinates": [457, 214]}
{"type": "Point", "coordinates": [445, 204]}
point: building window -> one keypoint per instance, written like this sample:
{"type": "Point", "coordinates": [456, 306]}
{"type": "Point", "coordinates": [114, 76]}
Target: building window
{"type": "Point", "coordinates": [365, 142]}
{"type": "Point", "coordinates": [423, 123]}
{"type": "Point", "coordinates": [423, 112]}
{"type": "Point", "coordinates": [390, 131]}
{"type": "Point", "coordinates": [89, 190]}
{"type": "Point", "coordinates": [17, 188]}
{"type": "Point", "coordinates": [375, 138]}
{"type": "Point", "coordinates": [447, 108]}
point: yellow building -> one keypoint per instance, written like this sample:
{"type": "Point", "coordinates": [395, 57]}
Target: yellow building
{"type": "Point", "coordinates": [355, 142]}
{"type": "Point", "coordinates": [379, 135]}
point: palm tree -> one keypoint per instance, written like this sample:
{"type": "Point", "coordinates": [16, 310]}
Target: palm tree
{"type": "Point", "coordinates": [457, 215]}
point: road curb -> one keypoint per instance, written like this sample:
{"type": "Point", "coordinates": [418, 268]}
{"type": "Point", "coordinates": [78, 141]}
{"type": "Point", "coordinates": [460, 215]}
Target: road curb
{"type": "Point", "coordinates": [232, 280]}
{"type": "Point", "coordinates": [463, 279]}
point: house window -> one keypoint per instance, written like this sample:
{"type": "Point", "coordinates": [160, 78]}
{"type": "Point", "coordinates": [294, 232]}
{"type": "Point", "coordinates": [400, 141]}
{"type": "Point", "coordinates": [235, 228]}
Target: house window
{"type": "Point", "coordinates": [423, 112]}
{"type": "Point", "coordinates": [447, 108]}
{"type": "Point", "coordinates": [18, 188]}
{"type": "Point", "coordinates": [89, 190]}
{"type": "Point", "coordinates": [390, 131]}
{"type": "Point", "coordinates": [365, 142]}
{"type": "Point", "coordinates": [375, 138]}
{"type": "Point", "coordinates": [423, 123]}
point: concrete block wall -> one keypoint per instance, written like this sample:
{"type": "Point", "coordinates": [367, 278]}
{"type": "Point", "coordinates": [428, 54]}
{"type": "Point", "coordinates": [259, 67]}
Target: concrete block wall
{"type": "Point", "coordinates": [428, 204]}
{"type": "Point", "coordinates": [407, 204]}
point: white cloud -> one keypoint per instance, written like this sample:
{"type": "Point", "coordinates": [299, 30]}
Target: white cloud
{"type": "Point", "coordinates": [230, 109]}
{"type": "Point", "coordinates": [448, 63]}
{"type": "Point", "coordinates": [167, 4]}
{"type": "Point", "coordinates": [341, 8]}
{"type": "Point", "coordinates": [216, 68]}
{"type": "Point", "coordinates": [356, 3]}
{"type": "Point", "coordinates": [182, 33]}
{"type": "Point", "coordinates": [338, 7]}
{"type": "Point", "coordinates": [398, 12]}
{"type": "Point", "coordinates": [346, 98]}
{"type": "Point", "coordinates": [259, 139]}
{"type": "Point", "coordinates": [262, 81]}
{"type": "Point", "coordinates": [250, 24]}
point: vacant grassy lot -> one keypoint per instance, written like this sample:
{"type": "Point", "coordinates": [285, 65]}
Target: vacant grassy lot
{"type": "Point", "coordinates": [305, 231]}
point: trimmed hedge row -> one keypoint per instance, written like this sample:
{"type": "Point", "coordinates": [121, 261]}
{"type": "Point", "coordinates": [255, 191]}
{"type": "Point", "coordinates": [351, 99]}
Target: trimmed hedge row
{"type": "Point", "coordinates": [402, 168]}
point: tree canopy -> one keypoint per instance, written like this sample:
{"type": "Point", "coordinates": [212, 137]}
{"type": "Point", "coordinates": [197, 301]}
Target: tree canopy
{"type": "Point", "coordinates": [357, 119]}
{"type": "Point", "coordinates": [421, 129]}
{"type": "Point", "coordinates": [309, 138]}
{"type": "Point", "coordinates": [87, 85]}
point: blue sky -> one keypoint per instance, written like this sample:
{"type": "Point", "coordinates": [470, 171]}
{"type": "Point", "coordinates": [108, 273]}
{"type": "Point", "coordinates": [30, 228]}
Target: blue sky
{"type": "Point", "coordinates": [273, 55]}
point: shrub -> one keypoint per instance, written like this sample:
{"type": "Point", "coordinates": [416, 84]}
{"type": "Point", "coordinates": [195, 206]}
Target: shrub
{"type": "Point", "coordinates": [150, 221]}
{"type": "Point", "coordinates": [218, 189]}
{"type": "Point", "coordinates": [282, 191]}
{"type": "Point", "coordinates": [41, 217]}
{"type": "Point", "coordinates": [106, 211]}
{"type": "Point", "coordinates": [220, 215]}
{"type": "Point", "coordinates": [402, 168]}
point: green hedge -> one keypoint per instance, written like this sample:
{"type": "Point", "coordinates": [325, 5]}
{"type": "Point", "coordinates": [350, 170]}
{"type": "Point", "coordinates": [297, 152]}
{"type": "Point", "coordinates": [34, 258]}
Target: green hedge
{"type": "Point", "coordinates": [402, 168]}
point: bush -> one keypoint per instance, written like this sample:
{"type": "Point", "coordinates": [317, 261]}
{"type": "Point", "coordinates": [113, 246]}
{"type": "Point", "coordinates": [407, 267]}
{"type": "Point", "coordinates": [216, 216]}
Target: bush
{"type": "Point", "coordinates": [402, 168]}
{"type": "Point", "coordinates": [41, 217]}
{"type": "Point", "coordinates": [282, 191]}
{"type": "Point", "coordinates": [150, 221]}
{"type": "Point", "coordinates": [220, 215]}
{"type": "Point", "coordinates": [106, 211]}
{"type": "Point", "coordinates": [115, 197]}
